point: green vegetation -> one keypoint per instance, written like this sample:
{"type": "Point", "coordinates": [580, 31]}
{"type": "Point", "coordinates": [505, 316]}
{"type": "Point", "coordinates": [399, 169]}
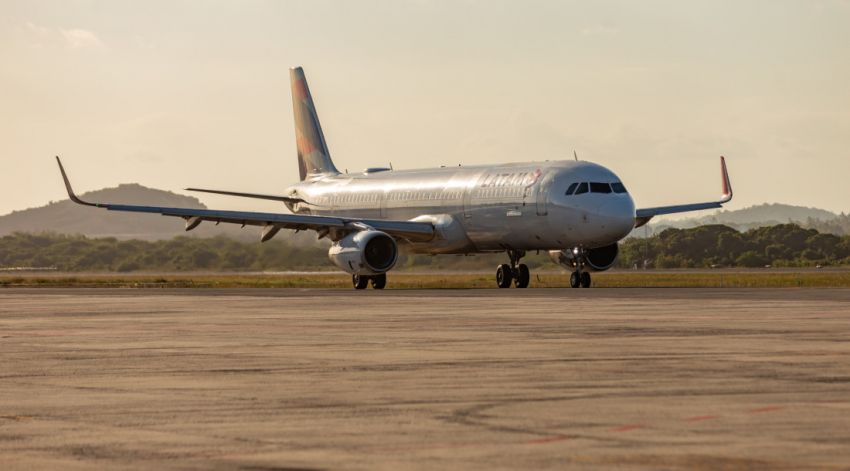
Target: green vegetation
{"type": "Point", "coordinates": [783, 245]}
{"type": "Point", "coordinates": [839, 225]}
{"type": "Point", "coordinates": [78, 253]}
{"type": "Point", "coordinates": [82, 254]}
{"type": "Point", "coordinates": [407, 280]}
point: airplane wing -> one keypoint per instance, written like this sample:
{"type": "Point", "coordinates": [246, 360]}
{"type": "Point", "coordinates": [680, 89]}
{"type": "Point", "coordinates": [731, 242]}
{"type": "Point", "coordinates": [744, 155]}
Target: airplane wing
{"type": "Point", "coordinates": [643, 215]}
{"type": "Point", "coordinates": [335, 227]}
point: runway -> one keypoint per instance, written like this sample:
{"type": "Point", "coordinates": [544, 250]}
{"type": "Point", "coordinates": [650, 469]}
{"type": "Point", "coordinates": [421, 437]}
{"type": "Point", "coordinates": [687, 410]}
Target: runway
{"type": "Point", "coordinates": [424, 379]}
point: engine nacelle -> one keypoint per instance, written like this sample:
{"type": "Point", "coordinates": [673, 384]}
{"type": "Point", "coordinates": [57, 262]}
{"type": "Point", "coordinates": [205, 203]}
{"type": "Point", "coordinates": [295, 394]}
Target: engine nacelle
{"type": "Point", "coordinates": [601, 258]}
{"type": "Point", "coordinates": [364, 253]}
{"type": "Point", "coordinates": [598, 259]}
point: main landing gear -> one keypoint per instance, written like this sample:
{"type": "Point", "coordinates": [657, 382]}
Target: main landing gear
{"type": "Point", "coordinates": [516, 272]}
{"type": "Point", "coordinates": [362, 281]}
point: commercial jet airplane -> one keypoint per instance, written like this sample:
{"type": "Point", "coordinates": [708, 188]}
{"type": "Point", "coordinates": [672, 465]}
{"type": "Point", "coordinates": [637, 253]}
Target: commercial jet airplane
{"type": "Point", "coordinates": [575, 210]}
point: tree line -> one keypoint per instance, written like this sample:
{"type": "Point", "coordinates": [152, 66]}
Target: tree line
{"type": "Point", "coordinates": [79, 253]}
{"type": "Point", "coordinates": [786, 245]}
{"type": "Point", "coordinates": [782, 245]}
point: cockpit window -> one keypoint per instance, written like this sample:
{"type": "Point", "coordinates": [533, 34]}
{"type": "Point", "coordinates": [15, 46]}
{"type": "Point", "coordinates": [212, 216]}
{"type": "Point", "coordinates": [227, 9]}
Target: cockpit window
{"type": "Point", "coordinates": [572, 188]}
{"type": "Point", "coordinates": [582, 188]}
{"type": "Point", "coordinates": [618, 187]}
{"type": "Point", "coordinates": [597, 187]}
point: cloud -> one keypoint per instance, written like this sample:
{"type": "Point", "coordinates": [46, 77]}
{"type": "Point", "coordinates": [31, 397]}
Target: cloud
{"type": "Point", "coordinates": [37, 30]}
{"type": "Point", "coordinates": [73, 38]}
{"type": "Point", "coordinates": [81, 39]}
{"type": "Point", "coordinates": [598, 30]}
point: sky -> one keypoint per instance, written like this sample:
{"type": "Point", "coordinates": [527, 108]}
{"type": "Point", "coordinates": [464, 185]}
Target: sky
{"type": "Point", "coordinates": [173, 94]}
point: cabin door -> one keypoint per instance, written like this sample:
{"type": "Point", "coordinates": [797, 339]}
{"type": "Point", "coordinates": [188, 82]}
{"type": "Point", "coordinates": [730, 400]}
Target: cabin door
{"type": "Point", "coordinates": [543, 192]}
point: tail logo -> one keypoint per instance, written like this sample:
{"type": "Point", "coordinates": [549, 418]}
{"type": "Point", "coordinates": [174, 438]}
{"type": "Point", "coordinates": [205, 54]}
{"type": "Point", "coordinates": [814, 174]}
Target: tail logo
{"type": "Point", "coordinates": [313, 155]}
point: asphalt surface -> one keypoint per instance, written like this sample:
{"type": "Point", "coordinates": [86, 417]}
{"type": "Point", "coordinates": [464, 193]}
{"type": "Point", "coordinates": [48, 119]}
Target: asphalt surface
{"type": "Point", "coordinates": [461, 379]}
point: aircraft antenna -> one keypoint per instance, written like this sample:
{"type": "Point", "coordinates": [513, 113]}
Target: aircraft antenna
{"type": "Point", "coordinates": [575, 155]}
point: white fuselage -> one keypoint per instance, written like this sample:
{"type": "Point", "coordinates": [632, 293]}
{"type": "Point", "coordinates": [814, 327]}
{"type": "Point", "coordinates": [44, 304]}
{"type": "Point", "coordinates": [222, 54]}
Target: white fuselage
{"type": "Point", "coordinates": [520, 206]}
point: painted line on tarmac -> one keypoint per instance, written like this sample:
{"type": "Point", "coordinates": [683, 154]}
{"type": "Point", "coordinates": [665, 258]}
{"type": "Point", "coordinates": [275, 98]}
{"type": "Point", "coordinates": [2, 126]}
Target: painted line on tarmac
{"type": "Point", "coordinates": [553, 438]}
{"type": "Point", "coordinates": [626, 428]}
{"type": "Point", "coordinates": [563, 438]}
{"type": "Point", "coordinates": [700, 418]}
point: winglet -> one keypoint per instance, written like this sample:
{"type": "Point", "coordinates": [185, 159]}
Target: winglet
{"type": "Point", "coordinates": [727, 185]}
{"type": "Point", "coordinates": [68, 186]}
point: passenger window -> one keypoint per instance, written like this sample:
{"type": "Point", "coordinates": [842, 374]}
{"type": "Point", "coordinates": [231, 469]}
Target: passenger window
{"type": "Point", "coordinates": [571, 189]}
{"type": "Point", "coordinates": [618, 187]}
{"type": "Point", "coordinates": [596, 187]}
{"type": "Point", "coordinates": [582, 188]}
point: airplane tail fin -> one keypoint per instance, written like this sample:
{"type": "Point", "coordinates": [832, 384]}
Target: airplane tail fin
{"type": "Point", "coordinates": [313, 155]}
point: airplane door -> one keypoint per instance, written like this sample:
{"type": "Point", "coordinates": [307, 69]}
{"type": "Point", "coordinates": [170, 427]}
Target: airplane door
{"type": "Point", "coordinates": [467, 194]}
{"type": "Point", "coordinates": [467, 197]}
{"type": "Point", "coordinates": [543, 193]}
{"type": "Point", "coordinates": [382, 204]}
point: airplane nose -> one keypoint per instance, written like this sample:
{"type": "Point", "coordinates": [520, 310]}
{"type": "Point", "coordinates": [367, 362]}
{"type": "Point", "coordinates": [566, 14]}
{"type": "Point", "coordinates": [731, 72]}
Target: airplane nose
{"type": "Point", "coordinates": [617, 217]}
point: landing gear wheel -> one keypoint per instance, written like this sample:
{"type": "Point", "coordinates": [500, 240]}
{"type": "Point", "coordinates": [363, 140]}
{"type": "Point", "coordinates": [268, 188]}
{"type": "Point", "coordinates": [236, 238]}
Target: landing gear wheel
{"type": "Point", "coordinates": [503, 276]}
{"type": "Point", "coordinates": [360, 281]}
{"type": "Point", "coordinates": [585, 279]}
{"type": "Point", "coordinates": [523, 276]}
{"type": "Point", "coordinates": [379, 281]}
{"type": "Point", "coordinates": [575, 279]}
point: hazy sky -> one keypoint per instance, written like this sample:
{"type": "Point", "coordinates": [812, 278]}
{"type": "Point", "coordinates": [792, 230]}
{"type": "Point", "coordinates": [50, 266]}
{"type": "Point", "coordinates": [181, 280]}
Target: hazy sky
{"type": "Point", "coordinates": [195, 93]}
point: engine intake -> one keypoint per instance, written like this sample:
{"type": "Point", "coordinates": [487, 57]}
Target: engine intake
{"type": "Point", "coordinates": [601, 258]}
{"type": "Point", "coordinates": [364, 253]}
{"type": "Point", "coordinates": [598, 259]}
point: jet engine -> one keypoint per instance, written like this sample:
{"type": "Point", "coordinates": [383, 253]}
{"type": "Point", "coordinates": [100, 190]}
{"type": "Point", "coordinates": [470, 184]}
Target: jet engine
{"type": "Point", "coordinates": [601, 258]}
{"type": "Point", "coordinates": [366, 252]}
{"type": "Point", "coordinates": [598, 259]}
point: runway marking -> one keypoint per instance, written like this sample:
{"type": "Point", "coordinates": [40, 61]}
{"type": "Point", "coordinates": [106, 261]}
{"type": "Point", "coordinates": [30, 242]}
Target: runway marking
{"type": "Point", "coordinates": [16, 418]}
{"type": "Point", "coordinates": [553, 438]}
{"type": "Point", "coordinates": [699, 418]}
{"type": "Point", "coordinates": [626, 428]}
{"type": "Point", "coordinates": [761, 410]}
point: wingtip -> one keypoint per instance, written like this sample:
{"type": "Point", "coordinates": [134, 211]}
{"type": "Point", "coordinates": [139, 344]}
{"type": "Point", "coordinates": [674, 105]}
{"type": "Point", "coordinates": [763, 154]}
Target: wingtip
{"type": "Point", "coordinates": [726, 182]}
{"type": "Point", "coordinates": [68, 187]}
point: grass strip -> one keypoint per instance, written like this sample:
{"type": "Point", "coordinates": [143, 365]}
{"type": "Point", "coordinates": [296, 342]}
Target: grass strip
{"type": "Point", "coordinates": [649, 279]}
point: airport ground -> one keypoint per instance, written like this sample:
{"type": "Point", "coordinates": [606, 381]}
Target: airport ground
{"type": "Point", "coordinates": [287, 379]}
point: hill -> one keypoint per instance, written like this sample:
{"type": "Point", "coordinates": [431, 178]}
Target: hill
{"type": "Point", "coordinates": [69, 218]}
{"type": "Point", "coordinates": [66, 217]}
{"type": "Point", "coordinates": [767, 214]}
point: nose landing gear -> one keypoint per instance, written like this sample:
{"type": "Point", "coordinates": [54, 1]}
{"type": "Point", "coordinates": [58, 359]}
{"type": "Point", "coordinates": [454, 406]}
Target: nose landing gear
{"type": "Point", "coordinates": [516, 272]}
{"type": "Point", "coordinates": [579, 278]}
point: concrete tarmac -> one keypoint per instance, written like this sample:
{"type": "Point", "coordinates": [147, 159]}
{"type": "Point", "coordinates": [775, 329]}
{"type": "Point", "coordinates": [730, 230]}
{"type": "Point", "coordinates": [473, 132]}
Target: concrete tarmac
{"type": "Point", "coordinates": [458, 379]}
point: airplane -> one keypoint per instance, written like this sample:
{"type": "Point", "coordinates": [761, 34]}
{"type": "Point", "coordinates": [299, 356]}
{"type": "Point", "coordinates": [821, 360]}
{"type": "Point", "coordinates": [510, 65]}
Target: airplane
{"type": "Point", "coordinates": [575, 210]}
